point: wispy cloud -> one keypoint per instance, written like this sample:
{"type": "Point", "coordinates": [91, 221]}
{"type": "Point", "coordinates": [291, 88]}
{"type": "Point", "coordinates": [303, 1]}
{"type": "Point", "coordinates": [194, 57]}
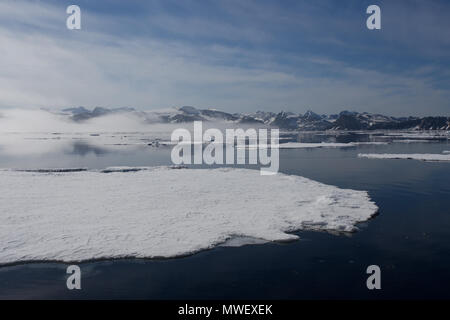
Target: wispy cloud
{"type": "Point", "coordinates": [234, 55]}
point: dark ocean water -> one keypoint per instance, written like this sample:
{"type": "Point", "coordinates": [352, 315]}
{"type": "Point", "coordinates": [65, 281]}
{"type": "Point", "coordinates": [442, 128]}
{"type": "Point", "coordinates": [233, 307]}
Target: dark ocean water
{"type": "Point", "coordinates": [409, 239]}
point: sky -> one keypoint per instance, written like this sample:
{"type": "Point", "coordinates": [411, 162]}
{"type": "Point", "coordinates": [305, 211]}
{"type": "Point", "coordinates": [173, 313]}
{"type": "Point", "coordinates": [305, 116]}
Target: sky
{"type": "Point", "coordinates": [232, 55]}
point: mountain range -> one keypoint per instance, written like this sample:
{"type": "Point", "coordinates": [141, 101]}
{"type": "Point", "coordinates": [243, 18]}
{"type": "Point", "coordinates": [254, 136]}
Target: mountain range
{"type": "Point", "coordinates": [309, 121]}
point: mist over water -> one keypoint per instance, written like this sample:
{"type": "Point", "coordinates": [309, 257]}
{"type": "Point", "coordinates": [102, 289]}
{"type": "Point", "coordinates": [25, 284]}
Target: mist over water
{"type": "Point", "coordinates": [26, 120]}
{"type": "Point", "coordinates": [25, 132]}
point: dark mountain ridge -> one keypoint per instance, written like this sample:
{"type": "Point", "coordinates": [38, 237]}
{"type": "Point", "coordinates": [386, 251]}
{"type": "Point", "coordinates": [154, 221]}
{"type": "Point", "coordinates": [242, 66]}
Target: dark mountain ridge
{"type": "Point", "coordinates": [309, 121]}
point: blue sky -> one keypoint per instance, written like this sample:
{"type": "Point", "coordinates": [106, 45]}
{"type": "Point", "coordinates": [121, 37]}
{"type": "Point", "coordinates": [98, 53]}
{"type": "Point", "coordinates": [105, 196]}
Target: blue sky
{"type": "Point", "coordinates": [231, 55]}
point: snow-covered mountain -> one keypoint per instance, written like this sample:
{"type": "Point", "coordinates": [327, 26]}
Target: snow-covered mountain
{"type": "Point", "coordinates": [346, 120]}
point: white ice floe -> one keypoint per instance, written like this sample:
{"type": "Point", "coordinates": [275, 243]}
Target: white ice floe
{"type": "Point", "coordinates": [413, 141]}
{"type": "Point", "coordinates": [446, 152]}
{"type": "Point", "coordinates": [440, 135]}
{"type": "Point", "coordinates": [301, 145]}
{"type": "Point", "coordinates": [413, 156]}
{"type": "Point", "coordinates": [370, 143]}
{"type": "Point", "coordinates": [161, 212]}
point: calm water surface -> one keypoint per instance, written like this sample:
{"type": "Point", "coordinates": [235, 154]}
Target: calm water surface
{"type": "Point", "coordinates": [409, 239]}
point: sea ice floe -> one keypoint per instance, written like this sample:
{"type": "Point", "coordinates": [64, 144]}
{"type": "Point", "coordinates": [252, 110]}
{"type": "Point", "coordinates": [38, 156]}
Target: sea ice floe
{"type": "Point", "coordinates": [413, 141]}
{"type": "Point", "coordinates": [370, 143]}
{"type": "Point", "coordinates": [301, 145]}
{"type": "Point", "coordinates": [295, 145]}
{"type": "Point", "coordinates": [437, 135]}
{"type": "Point", "coordinates": [413, 156]}
{"type": "Point", "coordinates": [162, 212]}
{"type": "Point", "coordinates": [307, 145]}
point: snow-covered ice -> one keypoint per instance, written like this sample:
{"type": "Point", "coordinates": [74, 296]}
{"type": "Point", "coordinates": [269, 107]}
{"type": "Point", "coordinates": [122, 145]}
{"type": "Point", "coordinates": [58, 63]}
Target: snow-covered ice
{"type": "Point", "coordinates": [413, 141]}
{"type": "Point", "coordinates": [413, 156]}
{"type": "Point", "coordinates": [307, 145]}
{"type": "Point", "coordinates": [376, 143]}
{"type": "Point", "coordinates": [161, 212]}
{"type": "Point", "coordinates": [301, 145]}
{"type": "Point", "coordinates": [426, 135]}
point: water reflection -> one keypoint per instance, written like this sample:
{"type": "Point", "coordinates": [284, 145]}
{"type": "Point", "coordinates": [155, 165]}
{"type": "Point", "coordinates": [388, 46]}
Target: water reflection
{"type": "Point", "coordinates": [82, 148]}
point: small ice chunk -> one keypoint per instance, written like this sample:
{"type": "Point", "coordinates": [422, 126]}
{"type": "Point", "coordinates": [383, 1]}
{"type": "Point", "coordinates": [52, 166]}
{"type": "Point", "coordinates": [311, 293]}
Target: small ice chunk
{"type": "Point", "coordinates": [413, 156]}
